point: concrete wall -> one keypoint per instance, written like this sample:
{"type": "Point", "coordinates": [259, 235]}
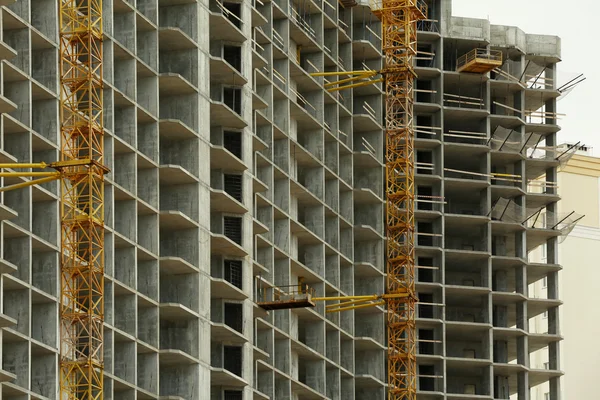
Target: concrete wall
{"type": "Point", "coordinates": [180, 281]}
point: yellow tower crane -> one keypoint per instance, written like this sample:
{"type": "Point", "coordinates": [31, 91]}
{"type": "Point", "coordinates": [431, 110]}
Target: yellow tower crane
{"type": "Point", "coordinates": [399, 47]}
{"type": "Point", "coordinates": [81, 173]}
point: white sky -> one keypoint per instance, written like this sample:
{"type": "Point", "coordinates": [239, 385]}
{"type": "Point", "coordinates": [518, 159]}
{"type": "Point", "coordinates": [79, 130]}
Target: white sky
{"type": "Point", "coordinates": [577, 24]}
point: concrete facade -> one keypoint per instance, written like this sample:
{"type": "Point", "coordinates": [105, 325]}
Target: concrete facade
{"type": "Point", "coordinates": [230, 162]}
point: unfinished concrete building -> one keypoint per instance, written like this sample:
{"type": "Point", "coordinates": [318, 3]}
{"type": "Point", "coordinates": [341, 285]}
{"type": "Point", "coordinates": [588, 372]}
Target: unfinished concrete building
{"type": "Point", "coordinates": [231, 165]}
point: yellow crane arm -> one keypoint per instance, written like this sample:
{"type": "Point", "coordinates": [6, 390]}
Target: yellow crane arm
{"type": "Point", "coordinates": [355, 79]}
{"type": "Point", "coordinates": [355, 302]}
{"type": "Point", "coordinates": [43, 176]}
{"type": "Point", "coordinates": [55, 176]}
{"type": "Point", "coordinates": [302, 295]}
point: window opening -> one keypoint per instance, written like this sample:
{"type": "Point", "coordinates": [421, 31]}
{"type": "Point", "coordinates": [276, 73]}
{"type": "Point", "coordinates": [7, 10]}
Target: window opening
{"type": "Point", "coordinates": [233, 272]}
{"type": "Point", "coordinates": [233, 55]}
{"type": "Point", "coordinates": [232, 227]}
{"type": "Point", "coordinates": [232, 359]}
{"type": "Point", "coordinates": [233, 186]}
{"type": "Point", "coordinates": [233, 316]}
{"type": "Point", "coordinates": [232, 97]}
{"type": "Point", "coordinates": [232, 141]}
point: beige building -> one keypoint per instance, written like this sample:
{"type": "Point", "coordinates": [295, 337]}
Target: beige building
{"type": "Point", "coordinates": [579, 188]}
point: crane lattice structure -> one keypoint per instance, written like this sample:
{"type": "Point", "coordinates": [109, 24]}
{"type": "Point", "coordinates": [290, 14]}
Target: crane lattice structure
{"type": "Point", "coordinates": [399, 47]}
{"type": "Point", "coordinates": [82, 199]}
{"type": "Point", "coordinates": [81, 173]}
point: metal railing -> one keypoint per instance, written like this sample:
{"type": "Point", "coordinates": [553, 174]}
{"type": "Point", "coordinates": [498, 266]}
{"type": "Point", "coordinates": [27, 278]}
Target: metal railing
{"type": "Point", "coordinates": [479, 54]}
{"type": "Point", "coordinates": [453, 207]}
{"type": "Point", "coordinates": [464, 174]}
{"type": "Point", "coordinates": [460, 101]}
{"type": "Point", "coordinates": [499, 108]}
{"type": "Point", "coordinates": [330, 10]}
{"type": "Point", "coordinates": [428, 25]}
{"type": "Point", "coordinates": [422, 6]}
{"type": "Point", "coordinates": [303, 22]}
{"type": "Point", "coordinates": [233, 18]}
{"type": "Point", "coordinates": [368, 35]}
{"type": "Point", "coordinates": [266, 294]}
{"type": "Point", "coordinates": [344, 25]}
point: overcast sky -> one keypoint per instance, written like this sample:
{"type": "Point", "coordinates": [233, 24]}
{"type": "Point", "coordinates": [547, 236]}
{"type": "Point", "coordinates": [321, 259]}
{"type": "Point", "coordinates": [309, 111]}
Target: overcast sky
{"type": "Point", "coordinates": [577, 24]}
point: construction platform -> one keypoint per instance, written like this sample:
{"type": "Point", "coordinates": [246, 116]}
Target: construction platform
{"type": "Point", "coordinates": [479, 61]}
{"type": "Point", "coordinates": [296, 300]}
{"type": "Point", "coordinates": [284, 297]}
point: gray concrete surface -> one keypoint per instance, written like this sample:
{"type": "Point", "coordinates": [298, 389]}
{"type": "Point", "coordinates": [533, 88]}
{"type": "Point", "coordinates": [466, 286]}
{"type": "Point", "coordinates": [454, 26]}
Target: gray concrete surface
{"type": "Point", "coordinates": [196, 97]}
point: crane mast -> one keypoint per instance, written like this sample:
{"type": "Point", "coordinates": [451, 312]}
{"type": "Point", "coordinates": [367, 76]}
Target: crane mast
{"type": "Point", "coordinates": [82, 200]}
{"type": "Point", "coordinates": [399, 47]}
{"type": "Point", "coordinates": [80, 171]}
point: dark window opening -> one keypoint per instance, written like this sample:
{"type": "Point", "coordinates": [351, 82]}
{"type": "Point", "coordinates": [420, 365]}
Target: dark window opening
{"type": "Point", "coordinates": [424, 123]}
{"type": "Point", "coordinates": [501, 387]}
{"type": "Point", "coordinates": [233, 55]}
{"type": "Point", "coordinates": [425, 59]}
{"type": "Point", "coordinates": [500, 351]}
{"type": "Point", "coordinates": [426, 380]}
{"type": "Point", "coordinates": [232, 359]}
{"type": "Point", "coordinates": [499, 245]}
{"type": "Point", "coordinates": [425, 310]}
{"type": "Point", "coordinates": [425, 230]}
{"type": "Point", "coordinates": [451, 53]}
{"type": "Point", "coordinates": [232, 228]}
{"type": "Point", "coordinates": [500, 316]}
{"type": "Point", "coordinates": [426, 341]}
{"type": "Point", "coordinates": [425, 91]}
{"type": "Point", "coordinates": [233, 142]}
{"type": "Point", "coordinates": [233, 316]}
{"type": "Point", "coordinates": [233, 186]}
{"type": "Point", "coordinates": [234, 14]}
{"type": "Point", "coordinates": [232, 395]}
{"type": "Point", "coordinates": [425, 194]}
{"type": "Point", "coordinates": [232, 97]}
{"type": "Point", "coordinates": [425, 274]}
{"type": "Point", "coordinates": [426, 159]}
{"type": "Point", "coordinates": [233, 272]}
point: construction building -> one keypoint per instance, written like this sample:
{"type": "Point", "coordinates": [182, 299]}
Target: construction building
{"type": "Point", "coordinates": [578, 186]}
{"type": "Point", "coordinates": [232, 170]}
